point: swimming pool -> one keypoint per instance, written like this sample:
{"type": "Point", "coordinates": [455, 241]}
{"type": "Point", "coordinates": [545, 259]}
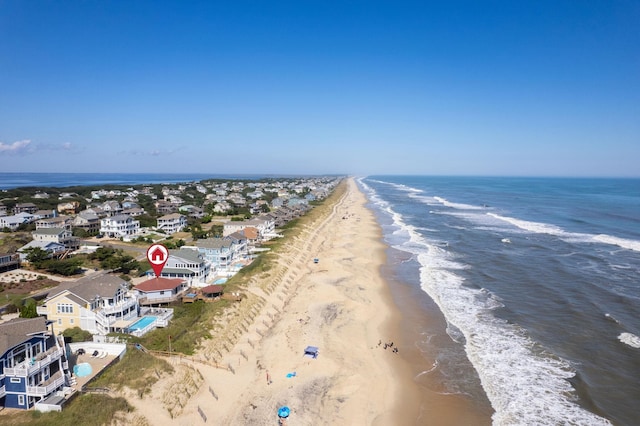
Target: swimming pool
{"type": "Point", "coordinates": [220, 281]}
{"type": "Point", "coordinates": [142, 323]}
{"type": "Point", "coordinates": [82, 369]}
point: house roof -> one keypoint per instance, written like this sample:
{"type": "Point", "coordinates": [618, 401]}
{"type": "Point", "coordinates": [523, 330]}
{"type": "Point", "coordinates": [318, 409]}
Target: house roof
{"type": "Point", "coordinates": [251, 233]}
{"type": "Point", "coordinates": [16, 331]}
{"type": "Point", "coordinates": [213, 243]}
{"type": "Point", "coordinates": [214, 288]}
{"type": "Point", "coordinates": [181, 271]}
{"type": "Point", "coordinates": [44, 245]}
{"type": "Point", "coordinates": [49, 231]}
{"type": "Point", "coordinates": [87, 288]}
{"type": "Point", "coordinates": [159, 284]}
{"type": "Point", "coordinates": [237, 236]}
{"type": "Point", "coordinates": [119, 218]}
{"type": "Point", "coordinates": [171, 216]}
{"type": "Point", "coordinates": [186, 254]}
{"type": "Point", "coordinates": [103, 285]}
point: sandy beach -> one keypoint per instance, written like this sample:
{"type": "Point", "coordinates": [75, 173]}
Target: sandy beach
{"type": "Point", "coordinates": [340, 305]}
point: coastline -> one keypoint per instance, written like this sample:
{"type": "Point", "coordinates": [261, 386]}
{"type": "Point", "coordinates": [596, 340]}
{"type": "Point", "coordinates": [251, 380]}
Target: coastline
{"type": "Point", "coordinates": [342, 305]}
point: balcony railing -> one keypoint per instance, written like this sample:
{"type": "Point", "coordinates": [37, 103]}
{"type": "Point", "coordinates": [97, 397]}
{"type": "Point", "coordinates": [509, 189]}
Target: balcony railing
{"type": "Point", "coordinates": [154, 300]}
{"type": "Point", "coordinates": [48, 387]}
{"type": "Point", "coordinates": [121, 307]}
{"type": "Point", "coordinates": [3, 392]}
{"type": "Point", "coordinates": [42, 310]}
{"type": "Point", "coordinates": [31, 366]}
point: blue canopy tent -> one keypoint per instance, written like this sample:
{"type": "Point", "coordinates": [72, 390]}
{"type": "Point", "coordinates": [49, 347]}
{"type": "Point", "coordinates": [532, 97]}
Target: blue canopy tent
{"type": "Point", "coordinates": [311, 351]}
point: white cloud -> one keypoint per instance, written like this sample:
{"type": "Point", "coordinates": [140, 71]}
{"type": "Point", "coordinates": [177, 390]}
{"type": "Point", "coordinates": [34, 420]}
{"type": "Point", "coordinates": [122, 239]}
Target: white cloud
{"type": "Point", "coordinates": [17, 147]}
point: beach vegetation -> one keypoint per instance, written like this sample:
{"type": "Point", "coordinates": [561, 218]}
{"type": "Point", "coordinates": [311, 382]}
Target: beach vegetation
{"type": "Point", "coordinates": [115, 259]}
{"type": "Point", "coordinates": [64, 267]}
{"type": "Point", "coordinates": [172, 244]}
{"type": "Point", "coordinates": [137, 370]}
{"type": "Point", "coordinates": [190, 324]}
{"type": "Point", "coordinates": [76, 334]}
{"type": "Point", "coordinates": [37, 256]}
{"type": "Point", "coordinates": [147, 220]}
{"type": "Point", "coordinates": [86, 409]}
{"type": "Point", "coordinates": [28, 309]}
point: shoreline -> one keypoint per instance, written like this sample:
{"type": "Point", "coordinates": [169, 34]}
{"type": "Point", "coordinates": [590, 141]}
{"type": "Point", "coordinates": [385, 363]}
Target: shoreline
{"type": "Point", "coordinates": [342, 305]}
{"type": "Point", "coordinates": [348, 305]}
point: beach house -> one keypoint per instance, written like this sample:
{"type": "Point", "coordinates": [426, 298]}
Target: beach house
{"type": "Point", "coordinates": [219, 252]}
{"type": "Point", "coordinates": [14, 221]}
{"type": "Point", "coordinates": [25, 208]}
{"type": "Point", "coordinates": [88, 221]}
{"type": "Point", "coordinates": [119, 226]}
{"type": "Point", "coordinates": [33, 366]}
{"type": "Point", "coordinates": [54, 222]}
{"type": "Point", "coordinates": [171, 223]}
{"type": "Point", "coordinates": [99, 304]}
{"type": "Point", "coordinates": [157, 291]}
{"type": "Point", "coordinates": [57, 235]}
{"type": "Point", "coordinates": [264, 226]}
{"type": "Point", "coordinates": [187, 264]}
{"type": "Point", "coordinates": [9, 262]}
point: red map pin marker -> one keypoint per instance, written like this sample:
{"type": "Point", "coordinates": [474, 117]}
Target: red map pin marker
{"type": "Point", "coordinates": [157, 255]}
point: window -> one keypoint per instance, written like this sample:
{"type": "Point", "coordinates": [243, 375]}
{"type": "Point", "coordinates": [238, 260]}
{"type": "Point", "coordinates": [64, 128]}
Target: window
{"type": "Point", "coordinates": [20, 399]}
{"type": "Point", "coordinates": [15, 380]}
{"type": "Point", "coordinates": [71, 320]}
{"type": "Point", "coordinates": [64, 308]}
{"type": "Point", "coordinates": [59, 321]}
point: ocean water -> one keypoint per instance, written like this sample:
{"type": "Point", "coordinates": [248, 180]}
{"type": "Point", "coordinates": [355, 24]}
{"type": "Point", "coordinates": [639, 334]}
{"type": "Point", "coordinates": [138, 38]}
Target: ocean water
{"type": "Point", "coordinates": [61, 180]}
{"type": "Point", "coordinates": [539, 283]}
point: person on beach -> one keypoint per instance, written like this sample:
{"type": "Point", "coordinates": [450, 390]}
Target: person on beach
{"type": "Point", "coordinates": [268, 378]}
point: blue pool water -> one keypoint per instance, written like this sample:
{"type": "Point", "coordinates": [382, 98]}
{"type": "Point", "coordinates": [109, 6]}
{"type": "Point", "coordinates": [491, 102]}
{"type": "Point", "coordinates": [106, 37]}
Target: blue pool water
{"type": "Point", "coordinates": [142, 323]}
{"type": "Point", "coordinates": [82, 370]}
{"type": "Point", "coordinates": [220, 281]}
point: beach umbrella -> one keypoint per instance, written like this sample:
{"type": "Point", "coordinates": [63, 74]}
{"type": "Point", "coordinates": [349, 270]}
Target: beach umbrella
{"type": "Point", "coordinates": [283, 411]}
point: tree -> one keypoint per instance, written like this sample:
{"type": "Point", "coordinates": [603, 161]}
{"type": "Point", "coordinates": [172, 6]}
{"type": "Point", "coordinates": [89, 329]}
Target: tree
{"type": "Point", "coordinates": [37, 256]}
{"type": "Point", "coordinates": [28, 309]}
{"type": "Point", "coordinates": [102, 253]}
{"type": "Point", "coordinates": [216, 230]}
{"type": "Point", "coordinates": [80, 233]}
{"type": "Point", "coordinates": [64, 267]}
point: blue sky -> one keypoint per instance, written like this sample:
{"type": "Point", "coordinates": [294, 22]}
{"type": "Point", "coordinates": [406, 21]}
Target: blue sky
{"type": "Point", "coordinates": [546, 88]}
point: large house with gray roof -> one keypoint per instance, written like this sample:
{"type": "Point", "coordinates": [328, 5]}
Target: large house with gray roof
{"type": "Point", "coordinates": [99, 304]}
{"type": "Point", "coordinates": [187, 264]}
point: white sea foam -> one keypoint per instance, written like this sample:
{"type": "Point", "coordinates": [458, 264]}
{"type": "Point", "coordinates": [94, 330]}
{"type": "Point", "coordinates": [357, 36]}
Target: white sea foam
{"type": "Point", "coordinates": [524, 387]}
{"type": "Point", "coordinates": [545, 228]}
{"type": "Point", "coordinates": [611, 318]}
{"type": "Point", "coordinates": [620, 242]}
{"type": "Point", "coordinates": [460, 206]}
{"type": "Point", "coordinates": [630, 339]}
{"type": "Point", "coordinates": [433, 368]}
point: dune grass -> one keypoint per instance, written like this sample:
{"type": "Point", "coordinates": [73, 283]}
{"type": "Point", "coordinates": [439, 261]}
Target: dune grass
{"type": "Point", "coordinates": [137, 370]}
{"type": "Point", "coordinates": [88, 409]}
